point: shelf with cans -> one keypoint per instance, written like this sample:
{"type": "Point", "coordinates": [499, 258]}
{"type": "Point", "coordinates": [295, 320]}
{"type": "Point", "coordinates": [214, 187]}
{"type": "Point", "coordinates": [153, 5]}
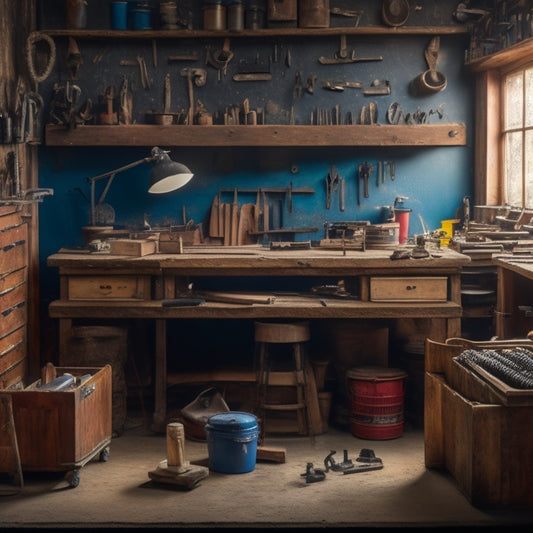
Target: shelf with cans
{"type": "Point", "coordinates": [222, 128]}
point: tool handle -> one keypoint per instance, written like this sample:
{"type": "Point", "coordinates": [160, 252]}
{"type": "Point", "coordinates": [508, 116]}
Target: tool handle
{"type": "Point", "coordinates": [183, 302]}
{"type": "Point", "coordinates": [175, 444]}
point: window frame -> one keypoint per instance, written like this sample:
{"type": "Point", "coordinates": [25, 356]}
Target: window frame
{"type": "Point", "coordinates": [489, 146]}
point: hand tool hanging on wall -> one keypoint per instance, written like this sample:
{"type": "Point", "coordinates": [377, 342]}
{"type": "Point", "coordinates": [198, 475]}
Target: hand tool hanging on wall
{"type": "Point", "coordinates": [125, 112]}
{"type": "Point", "coordinates": [378, 87]}
{"type": "Point", "coordinates": [355, 14]}
{"type": "Point", "coordinates": [332, 184]}
{"type": "Point", "coordinates": [198, 76]}
{"type": "Point", "coordinates": [73, 59]}
{"type": "Point", "coordinates": [109, 117]}
{"type": "Point", "coordinates": [343, 56]}
{"type": "Point", "coordinates": [63, 104]}
{"type": "Point", "coordinates": [220, 58]}
{"type": "Point", "coordinates": [365, 170]}
{"type": "Point", "coordinates": [143, 71]}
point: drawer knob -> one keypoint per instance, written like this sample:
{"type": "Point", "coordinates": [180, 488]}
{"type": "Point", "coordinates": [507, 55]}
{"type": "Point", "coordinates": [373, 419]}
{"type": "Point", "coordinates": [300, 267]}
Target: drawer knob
{"type": "Point", "coordinates": [411, 287]}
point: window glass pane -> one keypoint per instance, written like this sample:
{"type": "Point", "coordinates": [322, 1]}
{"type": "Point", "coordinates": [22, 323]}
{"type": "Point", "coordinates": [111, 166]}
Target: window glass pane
{"type": "Point", "coordinates": [529, 97]}
{"type": "Point", "coordinates": [513, 169]}
{"type": "Point", "coordinates": [513, 101]}
{"type": "Point", "coordinates": [529, 169]}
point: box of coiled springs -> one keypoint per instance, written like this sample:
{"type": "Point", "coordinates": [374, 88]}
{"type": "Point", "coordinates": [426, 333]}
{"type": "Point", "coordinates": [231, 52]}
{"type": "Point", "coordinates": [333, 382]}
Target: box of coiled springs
{"type": "Point", "coordinates": [478, 414]}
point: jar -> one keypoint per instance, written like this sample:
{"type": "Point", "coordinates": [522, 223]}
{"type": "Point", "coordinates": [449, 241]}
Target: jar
{"type": "Point", "coordinates": [76, 14]}
{"type": "Point", "coordinates": [214, 15]}
{"type": "Point", "coordinates": [254, 17]}
{"type": "Point", "coordinates": [313, 14]}
{"type": "Point", "coordinates": [141, 17]}
{"type": "Point", "coordinates": [236, 15]}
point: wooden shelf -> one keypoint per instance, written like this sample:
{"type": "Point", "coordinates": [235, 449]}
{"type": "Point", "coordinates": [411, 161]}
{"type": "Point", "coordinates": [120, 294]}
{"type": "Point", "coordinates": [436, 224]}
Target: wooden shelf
{"type": "Point", "coordinates": [263, 135]}
{"type": "Point", "coordinates": [511, 57]}
{"type": "Point", "coordinates": [269, 32]}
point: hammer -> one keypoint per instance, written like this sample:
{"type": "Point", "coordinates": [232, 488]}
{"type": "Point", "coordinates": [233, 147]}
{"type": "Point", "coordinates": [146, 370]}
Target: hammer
{"type": "Point", "coordinates": [199, 76]}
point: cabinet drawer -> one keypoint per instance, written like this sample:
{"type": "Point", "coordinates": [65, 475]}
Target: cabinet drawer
{"type": "Point", "coordinates": [409, 289]}
{"type": "Point", "coordinates": [108, 288]}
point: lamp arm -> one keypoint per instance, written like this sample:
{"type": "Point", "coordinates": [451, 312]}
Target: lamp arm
{"type": "Point", "coordinates": [121, 169]}
{"type": "Point", "coordinates": [111, 175]}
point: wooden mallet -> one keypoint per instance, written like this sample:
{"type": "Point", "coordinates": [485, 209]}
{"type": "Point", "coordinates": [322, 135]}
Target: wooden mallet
{"type": "Point", "coordinates": [175, 470]}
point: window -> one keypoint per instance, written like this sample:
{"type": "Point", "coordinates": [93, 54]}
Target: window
{"type": "Point", "coordinates": [517, 137]}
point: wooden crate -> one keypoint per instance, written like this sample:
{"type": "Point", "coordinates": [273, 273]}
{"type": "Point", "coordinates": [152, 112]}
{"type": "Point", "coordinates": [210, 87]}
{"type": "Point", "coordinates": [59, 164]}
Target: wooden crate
{"type": "Point", "coordinates": [486, 447]}
{"type": "Point", "coordinates": [61, 430]}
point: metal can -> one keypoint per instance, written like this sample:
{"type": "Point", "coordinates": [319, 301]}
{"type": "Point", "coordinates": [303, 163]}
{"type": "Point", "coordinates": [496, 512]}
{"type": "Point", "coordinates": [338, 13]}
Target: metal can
{"type": "Point", "coordinates": [236, 15]}
{"type": "Point", "coordinates": [313, 14]}
{"type": "Point", "coordinates": [214, 15]}
{"type": "Point", "coordinates": [254, 16]}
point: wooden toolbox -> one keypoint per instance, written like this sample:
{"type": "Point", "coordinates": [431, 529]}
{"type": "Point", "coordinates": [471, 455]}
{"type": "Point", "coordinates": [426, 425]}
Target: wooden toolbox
{"type": "Point", "coordinates": [485, 445]}
{"type": "Point", "coordinates": [62, 430]}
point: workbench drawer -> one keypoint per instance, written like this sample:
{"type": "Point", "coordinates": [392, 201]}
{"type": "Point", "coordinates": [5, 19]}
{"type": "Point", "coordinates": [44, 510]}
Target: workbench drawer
{"type": "Point", "coordinates": [409, 289]}
{"type": "Point", "coordinates": [108, 288]}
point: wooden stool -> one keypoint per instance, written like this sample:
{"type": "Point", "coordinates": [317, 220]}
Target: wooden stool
{"type": "Point", "coordinates": [275, 369]}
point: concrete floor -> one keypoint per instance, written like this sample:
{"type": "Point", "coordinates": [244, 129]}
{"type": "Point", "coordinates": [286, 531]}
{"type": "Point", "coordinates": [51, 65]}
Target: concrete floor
{"type": "Point", "coordinates": [119, 493]}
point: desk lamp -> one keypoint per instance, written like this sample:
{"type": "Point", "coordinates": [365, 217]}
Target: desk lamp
{"type": "Point", "coordinates": [166, 176]}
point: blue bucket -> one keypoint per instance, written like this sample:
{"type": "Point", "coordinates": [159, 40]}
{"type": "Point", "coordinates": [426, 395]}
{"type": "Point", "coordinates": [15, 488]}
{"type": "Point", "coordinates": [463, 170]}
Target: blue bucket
{"type": "Point", "coordinates": [232, 442]}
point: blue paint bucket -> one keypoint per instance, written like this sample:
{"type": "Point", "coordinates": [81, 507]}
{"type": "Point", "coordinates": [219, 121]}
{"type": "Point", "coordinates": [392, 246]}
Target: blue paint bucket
{"type": "Point", "coordinates": [232, 442]}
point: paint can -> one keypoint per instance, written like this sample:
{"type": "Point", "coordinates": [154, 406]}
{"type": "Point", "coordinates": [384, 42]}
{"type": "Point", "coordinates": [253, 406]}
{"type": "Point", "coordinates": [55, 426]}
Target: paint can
{"type": "Point", "coordinates": [232, 442]}
{"type": "Point", "coordinates": [376, 402]}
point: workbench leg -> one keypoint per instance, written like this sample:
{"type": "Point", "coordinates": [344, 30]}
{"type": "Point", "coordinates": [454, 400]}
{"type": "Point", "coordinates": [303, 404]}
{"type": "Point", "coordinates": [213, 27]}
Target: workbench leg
{"type": "Point", "coordinates": [160, 387]}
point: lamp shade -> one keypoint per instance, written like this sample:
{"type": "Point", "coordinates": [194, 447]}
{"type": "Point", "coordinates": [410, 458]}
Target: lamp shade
{"type": "Point", "coordinates": [167, 175]}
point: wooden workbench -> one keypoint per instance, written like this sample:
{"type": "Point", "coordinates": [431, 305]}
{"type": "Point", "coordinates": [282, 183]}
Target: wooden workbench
{"type": "Point", "coordinates": [104, 286]}
{"type": "Point", "coordinates": [515, 289]}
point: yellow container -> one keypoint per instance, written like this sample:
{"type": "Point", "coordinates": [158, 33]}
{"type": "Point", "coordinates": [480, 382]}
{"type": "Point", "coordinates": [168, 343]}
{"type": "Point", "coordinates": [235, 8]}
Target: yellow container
{"type": "Point", "coordinates": [448, 226]}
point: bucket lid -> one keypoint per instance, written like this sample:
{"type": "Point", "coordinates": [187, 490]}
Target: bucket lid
{"type": "Point", "coordinates": [231, 421]}
{"type": "Point", "coordinates": [376, 373]}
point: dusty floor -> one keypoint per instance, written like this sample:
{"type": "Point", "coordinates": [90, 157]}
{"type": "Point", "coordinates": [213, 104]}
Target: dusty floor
{"type": "Point", "coordinates": [118, 492]}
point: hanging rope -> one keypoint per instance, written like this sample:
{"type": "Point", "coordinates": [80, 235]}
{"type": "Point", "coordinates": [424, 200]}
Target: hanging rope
{"type": "Point", "coordinates": [31, 45]}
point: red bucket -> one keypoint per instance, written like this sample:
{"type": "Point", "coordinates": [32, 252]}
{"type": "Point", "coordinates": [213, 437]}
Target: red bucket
{"type": "Point", "coordinates": [377, 402]}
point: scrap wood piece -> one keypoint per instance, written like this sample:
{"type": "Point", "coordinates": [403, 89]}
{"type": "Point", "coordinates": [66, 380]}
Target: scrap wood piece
{"type": "Point", "coordinates": [271, 453]}
{"type": "Point", "coordinates": [9, 451]}
{"type": "Point", "coordinates": [235, 298]}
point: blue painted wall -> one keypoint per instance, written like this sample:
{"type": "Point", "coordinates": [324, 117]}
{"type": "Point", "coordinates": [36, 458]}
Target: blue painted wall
{"type": "Point", "coordinates": [435, 179]}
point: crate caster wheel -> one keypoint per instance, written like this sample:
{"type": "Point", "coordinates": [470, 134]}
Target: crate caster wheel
{"type": "Point", "coordinates": [73, 478]}
{"type": "Point", "coordinates": [104, 455]}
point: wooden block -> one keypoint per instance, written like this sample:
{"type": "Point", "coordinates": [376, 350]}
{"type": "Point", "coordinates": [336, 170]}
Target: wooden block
{"type": "Point", "coordinates": [271, 453]}
{"type": "Point", "coordinates": [133, 247]}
